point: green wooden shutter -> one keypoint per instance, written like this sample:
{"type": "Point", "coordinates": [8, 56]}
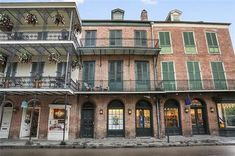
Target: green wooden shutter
{"type": "Point", "coordinates": [194, 76]}
{"type": "Point", "coordinates": [112, 38]}
{"type": "Point", "coordinates": [89, 73]}
{"type": "Point", "coordinates": [142, 75]}
{"type": "Point", "coordinates": [115, 75]}
{"type": "Point", "coordinates": [118, 37]}
{"type": "Point", "coordinates": [189, 43]}
{"type": "Point", "coordinates": [212, 42]}
{"type": "Point", "coordinates": [218, 75]}
{"type": "Point", "coordinates": [137, 38]}
{"type": "Point", "coordinates": [165, 43]}
{"type": "Point", "coordinates": [168, 76]}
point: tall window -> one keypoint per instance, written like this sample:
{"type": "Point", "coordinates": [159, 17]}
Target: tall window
{"type": "Point", "coordinates": [226, 115]}
{"type": "Point", "coordinates": [168, 76]}
{"type": "Point", "coordinates": [11, 70]}
{"type": "Point", "coordinates": [194, 73]}
{"type": "Point", "coordinates": [142, 75]}
{"type": "Point", "coordinates": [212, 43]}
{"type": "Point", "coordinates": [165, 42]}
{"type": "Point", "coordinates": [61, 69]}
{"type": "Point", "coordinates": [90, 38]}
{"type": "Point", "coordinates": [140, 38]}
{"type": "Point", "coordinates": [189, 43]}
{"type": "Point", "coordinates": [37, 69]}
{"type": "Point", "coordinates": [218, 75]}
{"type": "Point", "coordinates": [115, 38]}
{"type": "Point", "coordinates": [115, 75]}
{"type": "Point", "coordinates": [88, 74]}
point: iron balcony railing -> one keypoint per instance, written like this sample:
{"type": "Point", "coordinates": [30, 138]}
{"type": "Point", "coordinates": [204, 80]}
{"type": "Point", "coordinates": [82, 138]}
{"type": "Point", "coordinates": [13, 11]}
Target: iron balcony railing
{"type": "Point", "coordinates": [37, 35]}
{"type": "Point", "coordinates": [117, 86]}
{"type": "Point", "coordinates": [119, 43]}
{"type": "Point", "coordinates": [42, 83]}
{"type": "Point", "coordinates": [151, 85]}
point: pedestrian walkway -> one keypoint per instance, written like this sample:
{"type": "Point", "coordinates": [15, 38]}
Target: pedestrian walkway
{"type": "Point", "coordinates": [199, 140]}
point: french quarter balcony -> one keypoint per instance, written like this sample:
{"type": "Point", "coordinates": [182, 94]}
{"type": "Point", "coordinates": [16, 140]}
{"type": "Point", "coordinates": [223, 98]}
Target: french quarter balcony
{"type": "Point", "coordinates": [129, 46]}
{"type": "Point", "coordinates": [56, 83]}
{"type": "Point", "coordinates": [145, 86]}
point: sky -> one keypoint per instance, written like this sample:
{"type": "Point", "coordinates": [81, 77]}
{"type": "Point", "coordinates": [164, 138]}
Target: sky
{"type": "Point", "coordinates": [193, 10]}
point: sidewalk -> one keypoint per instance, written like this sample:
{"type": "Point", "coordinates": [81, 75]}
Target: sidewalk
{"type": "Point", "coordinates": [199, 140]}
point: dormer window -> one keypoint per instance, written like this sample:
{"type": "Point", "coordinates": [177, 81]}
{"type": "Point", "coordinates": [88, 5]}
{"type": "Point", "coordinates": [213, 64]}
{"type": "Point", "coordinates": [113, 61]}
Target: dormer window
{"type": "Point", "coordinates": [174, 15]}
{"type": "Point", "coordinates": [117, 14]}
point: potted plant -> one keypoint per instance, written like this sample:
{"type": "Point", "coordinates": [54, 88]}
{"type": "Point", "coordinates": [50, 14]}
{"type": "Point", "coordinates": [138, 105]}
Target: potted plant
{"type": "Point", "coordinates": [31, 19]}
{"type": "Point", "coordinates": [77, 27]}
{"type": "Point", "coordinates": [25, 58]}
{"type": "Point", "coordinates": [76, 63]}
{"type": "Point", "coordinates": [2, 59]}
{"type": "Point", "coordinates": [58, 18]}
{"type": "Point", "coordinates": [54, 57]}
{"type": "Point", "coordinates": [5, 23]}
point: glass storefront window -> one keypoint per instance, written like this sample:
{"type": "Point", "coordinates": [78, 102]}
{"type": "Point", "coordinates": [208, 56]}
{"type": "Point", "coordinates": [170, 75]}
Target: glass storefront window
{"type": "Point", "coordinates": [226, 114]}
{"type": "Point", "coordinates": [115, 119]}
{"type": "Point", "coordinates": [171, 117]}
{"type": "Point", "coordinates": [143, 118]}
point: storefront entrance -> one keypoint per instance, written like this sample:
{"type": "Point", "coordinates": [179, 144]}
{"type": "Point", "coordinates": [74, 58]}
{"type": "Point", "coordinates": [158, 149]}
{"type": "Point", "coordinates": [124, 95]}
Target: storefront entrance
{"type": "Point", "coordinates": [5, 123]}
{"type": "Point", "coordinates": [198, 117]}
{"type": "Point", "coordinates": [143, 119]}
{"type": "Point", "coordinates": [87, 120]}
{"type": "Point", "coordinates": [25, 123]}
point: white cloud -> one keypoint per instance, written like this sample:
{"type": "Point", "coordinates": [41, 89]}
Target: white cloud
{"type": "Point", "coordinates": [149, 1]}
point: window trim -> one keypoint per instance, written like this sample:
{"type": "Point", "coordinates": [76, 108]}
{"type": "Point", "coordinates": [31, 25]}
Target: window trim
{"type": "Point", "coordinates": [121, 39]}
{"type": "Point", "coordinates": [85, 32]}
{"type": "Point", "coordinates": [141, 39]}
{"type": "Point", "coordinates": [171, 46]}
{"type": "Point", "coordinates": [219, 53]}
{"type": "Point", "coordinates": [195, 43]}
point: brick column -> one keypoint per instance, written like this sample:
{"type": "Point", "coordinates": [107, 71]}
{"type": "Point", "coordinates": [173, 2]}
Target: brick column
{"type": "Point", "coordinates": [129, 118]}
{"type": "Point", "coordinates": [212, 118]}
{"type": "Point", "coordinates": [186, 124]}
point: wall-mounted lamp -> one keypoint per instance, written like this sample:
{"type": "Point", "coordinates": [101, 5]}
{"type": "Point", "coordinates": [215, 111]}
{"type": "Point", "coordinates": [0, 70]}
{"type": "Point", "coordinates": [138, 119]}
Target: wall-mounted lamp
{"type": "Point", "coordinates": [129, 111]}
{"type": "Point", "coordinates": [186, 110]}
{"type": "Point", "coordinates": [101, 111]}
{"type": "Point", "coordinates": [15, 109]}
{"type": "Point", "coordinates": [212, 109]}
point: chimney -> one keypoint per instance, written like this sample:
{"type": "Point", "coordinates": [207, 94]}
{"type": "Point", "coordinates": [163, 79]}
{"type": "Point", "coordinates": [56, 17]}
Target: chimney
{"type": "Point", "coordinates": [144, 15]}
{"type": "Point", "coordinates": [117, 14]}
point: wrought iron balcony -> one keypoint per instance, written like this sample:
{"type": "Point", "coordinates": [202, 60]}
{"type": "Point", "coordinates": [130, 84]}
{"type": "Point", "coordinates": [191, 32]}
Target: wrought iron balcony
{"type": "Point", "coordinates": [155, 86]}
{"type": "Point", "coordinates": [119, 43]}
{"type": "Point", "coordinates": [40, 83]}
{"type": "Point", "coordinates": [36, 36]}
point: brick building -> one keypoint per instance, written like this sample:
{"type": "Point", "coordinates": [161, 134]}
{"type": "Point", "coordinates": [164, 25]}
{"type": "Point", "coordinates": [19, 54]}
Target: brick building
{"type": "Point", "coordinates": [115, 78]}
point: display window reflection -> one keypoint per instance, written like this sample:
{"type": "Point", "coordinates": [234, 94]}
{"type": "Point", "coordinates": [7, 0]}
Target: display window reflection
{"type": "Point", "coordinates": [171, 117]}
{"type": "Point", "coordinates": [226, 115]}
{"type": "Point", "coordinates": [143, 118]}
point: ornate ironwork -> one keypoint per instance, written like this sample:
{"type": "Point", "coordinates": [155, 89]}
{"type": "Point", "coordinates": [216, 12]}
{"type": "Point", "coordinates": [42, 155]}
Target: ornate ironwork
{"type": "Point", "coordinates": [31, 19]}
{"type": "Point", "coordinates": [58, 18]}
{"type": "Point", "coordinates": [25, 58]}
{"type": "Point", "coordinates": [54, 58]}
{"type": "Point", "coordinates": [5, 23]}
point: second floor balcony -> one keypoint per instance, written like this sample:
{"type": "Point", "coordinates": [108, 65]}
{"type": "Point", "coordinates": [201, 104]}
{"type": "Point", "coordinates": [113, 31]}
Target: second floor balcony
{"type": "Point", "coordinates": [132, 46]}
{"type": "Point", "coordinates": [39, 83]}
{"type": "Point", "coordinates": [151, 86]}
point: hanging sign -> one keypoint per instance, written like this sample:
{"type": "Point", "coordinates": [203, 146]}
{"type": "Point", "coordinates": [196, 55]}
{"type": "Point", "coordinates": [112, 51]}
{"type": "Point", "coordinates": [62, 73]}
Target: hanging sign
{"type": "Point", "coordinates": [24, 104]}
{"type": "Point", "coordinates": [187, 101]}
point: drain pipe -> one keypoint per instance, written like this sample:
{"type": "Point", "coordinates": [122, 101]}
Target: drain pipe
{"type": "Point", "coordinates": [158, 117]}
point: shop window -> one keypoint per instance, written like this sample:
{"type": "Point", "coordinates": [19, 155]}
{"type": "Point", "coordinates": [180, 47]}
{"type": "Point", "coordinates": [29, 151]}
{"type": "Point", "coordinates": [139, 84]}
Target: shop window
{"type": "Point", "coordinates": [171, 112]}
{"type": "Point", "coordinates": [226, 115]}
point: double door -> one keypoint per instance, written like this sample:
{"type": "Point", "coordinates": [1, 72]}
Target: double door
{"type": "Point", "coordinates": [198, 120]}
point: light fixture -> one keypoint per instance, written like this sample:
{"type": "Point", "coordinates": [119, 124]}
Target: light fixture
{"type": "Point", "coordinates": [212, 109]}
{"type": "Point", "coordinates": [129, 111]}
{"type": "Point", "coordinates": [15, 109]}
{"type": "Point", "coordinates": [101, 111]}
{"type": "Point", "coordinates": [186, 110]}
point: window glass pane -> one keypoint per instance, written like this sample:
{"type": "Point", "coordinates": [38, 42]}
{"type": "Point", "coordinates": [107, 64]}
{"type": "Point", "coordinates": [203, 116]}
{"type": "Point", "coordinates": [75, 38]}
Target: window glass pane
{"type": "Point", "coordinates": [115, 119]}
{"type": "Point", "coordinates": [226, 114]}
{"type": "Point", "coordinates": [143, 118]}
{"type": "Point", "coordinates": [171, 117]}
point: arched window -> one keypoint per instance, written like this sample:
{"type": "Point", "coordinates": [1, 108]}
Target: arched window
{"type": "Point", "coordinates": [115, 118]}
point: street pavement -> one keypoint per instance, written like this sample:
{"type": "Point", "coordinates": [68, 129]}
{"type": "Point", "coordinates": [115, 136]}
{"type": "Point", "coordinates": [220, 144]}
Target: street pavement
{"type": "Point", "coordinates": [172, 151]}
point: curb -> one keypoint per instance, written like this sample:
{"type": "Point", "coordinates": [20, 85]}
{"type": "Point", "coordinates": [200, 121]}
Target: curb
{"type": "Point", "coordinates": [109, 146]}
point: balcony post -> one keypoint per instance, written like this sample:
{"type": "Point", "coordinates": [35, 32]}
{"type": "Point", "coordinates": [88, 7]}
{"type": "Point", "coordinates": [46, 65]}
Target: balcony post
{"type": "Point", "coordinates": [70, 25]}
{"type": "Point", "coordinates": [66, 73]}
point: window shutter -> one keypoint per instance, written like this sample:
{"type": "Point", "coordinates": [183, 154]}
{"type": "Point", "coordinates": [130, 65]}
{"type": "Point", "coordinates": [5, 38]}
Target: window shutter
{"type": "Point", "coordinates": [209, 39]}
{"type": "Point", "coordinates": [34, 69]}
{"type": "Point", "coordinates": [162, 39]}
